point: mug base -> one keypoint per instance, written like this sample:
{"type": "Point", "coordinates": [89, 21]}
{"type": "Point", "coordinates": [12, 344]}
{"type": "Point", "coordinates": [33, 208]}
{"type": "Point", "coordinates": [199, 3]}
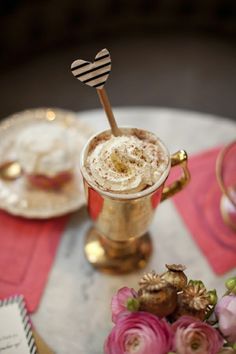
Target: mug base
{"type": "Point", "coordinates": [117, 257]}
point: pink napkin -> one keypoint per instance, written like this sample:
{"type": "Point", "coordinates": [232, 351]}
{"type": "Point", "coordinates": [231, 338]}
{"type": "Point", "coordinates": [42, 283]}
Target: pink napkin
{"type": "Point", "coordinates": [198, 205]}
{"type": "Point", "coordinates": [27, 250]}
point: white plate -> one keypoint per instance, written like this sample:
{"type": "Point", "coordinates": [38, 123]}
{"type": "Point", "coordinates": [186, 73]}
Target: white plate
{"type": "Point", "coordinates": [18, 197]}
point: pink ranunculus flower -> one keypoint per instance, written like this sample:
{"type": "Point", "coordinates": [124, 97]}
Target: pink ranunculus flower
{"type": "Point", "coordinates": [226, 313]}
{"type": "Point", "coordinates": [119, 301]}
{"type": "Point", "coordinates": [139, 333]}
{"type": "Point", "coordinates": [193, 336]}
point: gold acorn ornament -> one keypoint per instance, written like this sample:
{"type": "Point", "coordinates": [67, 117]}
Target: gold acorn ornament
{"type": "Point", "coordinates": [156, 295]}
{"type": "Point", "coordinates": [175, 276]}
{"type": "Point", "coordinates": [194, 300]}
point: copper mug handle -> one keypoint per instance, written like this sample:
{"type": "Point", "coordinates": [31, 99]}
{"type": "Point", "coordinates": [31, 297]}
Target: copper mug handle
{"type": "Point", "coordinates": [180, 158]}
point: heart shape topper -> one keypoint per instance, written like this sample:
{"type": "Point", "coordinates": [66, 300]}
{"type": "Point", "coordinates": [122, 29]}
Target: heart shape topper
{"type": "Point", "coordinates": [93, 74]}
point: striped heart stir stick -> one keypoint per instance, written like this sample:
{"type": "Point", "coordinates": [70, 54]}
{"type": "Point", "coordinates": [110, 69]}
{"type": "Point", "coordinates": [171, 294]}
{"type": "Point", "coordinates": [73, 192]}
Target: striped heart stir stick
{"type": "Point", "coordinates": [95, 75]}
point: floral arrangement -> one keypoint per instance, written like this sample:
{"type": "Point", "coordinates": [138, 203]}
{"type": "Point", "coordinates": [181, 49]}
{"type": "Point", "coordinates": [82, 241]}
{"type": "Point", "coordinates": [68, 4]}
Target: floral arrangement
{"type": "Point", "coordinates": [170, 314]}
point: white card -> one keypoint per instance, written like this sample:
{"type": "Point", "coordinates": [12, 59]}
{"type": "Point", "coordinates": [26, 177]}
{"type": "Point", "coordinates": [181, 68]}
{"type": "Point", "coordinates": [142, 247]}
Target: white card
{"type": "Point", "coordinates": [15, 329]}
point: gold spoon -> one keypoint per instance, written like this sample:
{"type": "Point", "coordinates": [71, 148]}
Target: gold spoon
{"type": "Point", "coordinates": [10, 170]}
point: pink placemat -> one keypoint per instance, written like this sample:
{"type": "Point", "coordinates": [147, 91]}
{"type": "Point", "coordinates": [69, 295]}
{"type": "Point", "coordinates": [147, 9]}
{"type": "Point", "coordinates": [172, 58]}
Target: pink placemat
{"type": "Point", "coordinates": [27, 251]}
{"type": "Point", "coordinates": [198, 205]}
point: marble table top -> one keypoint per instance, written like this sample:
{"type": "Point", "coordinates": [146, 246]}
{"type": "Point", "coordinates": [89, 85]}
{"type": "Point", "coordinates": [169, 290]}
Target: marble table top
{"type": "Point", "coordinates": [74, 315]}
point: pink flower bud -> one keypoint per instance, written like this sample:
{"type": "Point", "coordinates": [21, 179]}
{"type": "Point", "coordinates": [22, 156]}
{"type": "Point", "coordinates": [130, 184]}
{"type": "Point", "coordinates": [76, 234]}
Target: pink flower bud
{"type": "Point", "coordinates": [120, 301]}
{"type": "Point", "coordinates": [226, 313]}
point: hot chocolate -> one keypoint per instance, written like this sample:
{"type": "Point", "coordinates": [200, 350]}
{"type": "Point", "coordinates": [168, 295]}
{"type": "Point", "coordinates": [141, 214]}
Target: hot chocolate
{"type": "Point", "coordinates": [128, 163]}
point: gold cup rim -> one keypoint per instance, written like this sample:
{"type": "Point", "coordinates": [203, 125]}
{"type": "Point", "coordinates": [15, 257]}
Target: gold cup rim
{"type": "Point", "coordinates": [219, 170]}
{"type": "Point", "coordinates": [124, 196]}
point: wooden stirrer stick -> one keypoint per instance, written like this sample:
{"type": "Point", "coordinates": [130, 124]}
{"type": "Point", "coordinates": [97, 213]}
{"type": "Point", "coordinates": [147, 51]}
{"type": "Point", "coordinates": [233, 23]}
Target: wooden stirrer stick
{"type": "Point", "coordinates": [107, 108]}
{"type": "Point", "coordinates": [95, 75]}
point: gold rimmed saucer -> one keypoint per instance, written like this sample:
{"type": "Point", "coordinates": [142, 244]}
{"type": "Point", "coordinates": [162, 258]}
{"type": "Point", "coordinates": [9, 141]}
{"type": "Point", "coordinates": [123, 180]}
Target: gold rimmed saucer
{"type": "Point", "coordinates": [17, 196]}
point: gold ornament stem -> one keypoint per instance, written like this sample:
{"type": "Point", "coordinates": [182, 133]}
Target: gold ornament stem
{"type": "Point", "coordinates": [108, 110]}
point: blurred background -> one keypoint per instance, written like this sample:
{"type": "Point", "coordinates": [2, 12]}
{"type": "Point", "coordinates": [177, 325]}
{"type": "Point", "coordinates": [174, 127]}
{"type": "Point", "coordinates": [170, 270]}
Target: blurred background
{"type": "Point", "coordinates": [171, 53]}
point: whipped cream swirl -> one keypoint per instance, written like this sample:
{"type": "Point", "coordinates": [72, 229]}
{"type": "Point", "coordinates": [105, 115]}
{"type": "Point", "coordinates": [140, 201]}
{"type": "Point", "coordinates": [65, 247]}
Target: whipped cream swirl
{"type": "Point", "coordinates": [126, 164]}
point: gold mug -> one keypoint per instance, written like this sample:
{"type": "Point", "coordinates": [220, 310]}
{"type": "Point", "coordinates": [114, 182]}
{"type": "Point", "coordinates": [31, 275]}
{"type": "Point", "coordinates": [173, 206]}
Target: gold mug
{"type": "Point", "coordinates": [118, 242]}
{"type": "Point", "coordinates": [226, 177]}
